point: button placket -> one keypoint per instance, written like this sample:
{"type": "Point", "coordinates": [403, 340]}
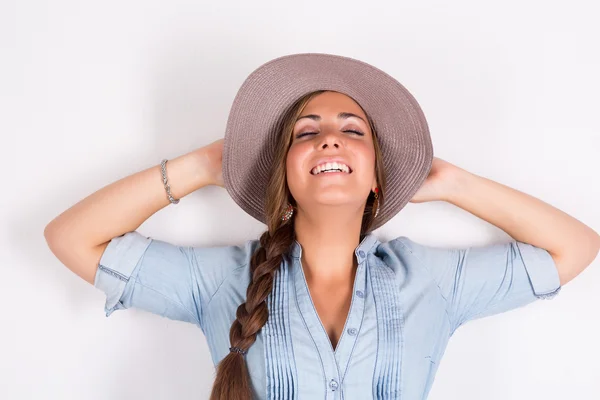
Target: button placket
{"type": "Point", "coordinates": [360, 294]}
{"type": "Point", "coordinates": [346, 346]}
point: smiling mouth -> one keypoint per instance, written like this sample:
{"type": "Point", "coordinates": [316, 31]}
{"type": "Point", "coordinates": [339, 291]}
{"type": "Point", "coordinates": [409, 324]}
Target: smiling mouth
{"type": "Point", "coordinates": [333, 169]}
{"type": "Point", "coordinates": [332, 172]}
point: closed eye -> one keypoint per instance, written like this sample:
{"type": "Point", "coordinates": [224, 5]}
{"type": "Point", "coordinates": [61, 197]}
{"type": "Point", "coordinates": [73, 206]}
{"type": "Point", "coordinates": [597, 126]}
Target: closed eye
{"type": "Point", "coordinates": [314, 133]}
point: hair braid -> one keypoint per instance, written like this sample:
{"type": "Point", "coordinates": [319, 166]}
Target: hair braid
{"type": "Point", "coordinates": [232, 381]}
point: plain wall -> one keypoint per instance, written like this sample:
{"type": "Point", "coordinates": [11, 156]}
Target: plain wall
{"type": "Point", "coordinates": [91, 92]}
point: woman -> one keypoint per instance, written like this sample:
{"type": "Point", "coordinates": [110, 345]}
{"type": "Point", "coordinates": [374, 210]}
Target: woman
{"type": "Point", "coordinates": [323, 149]}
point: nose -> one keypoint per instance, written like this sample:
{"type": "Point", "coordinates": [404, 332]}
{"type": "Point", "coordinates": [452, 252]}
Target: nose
{"type": "Point", "coordinates": [330, 138]}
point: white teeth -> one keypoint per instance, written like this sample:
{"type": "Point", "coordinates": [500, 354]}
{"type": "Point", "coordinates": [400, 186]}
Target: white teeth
{"type": "Point", "coordinates": [330, 166]}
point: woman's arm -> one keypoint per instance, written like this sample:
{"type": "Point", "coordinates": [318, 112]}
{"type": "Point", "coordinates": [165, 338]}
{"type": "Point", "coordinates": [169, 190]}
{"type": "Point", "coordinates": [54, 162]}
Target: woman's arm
{"type": "Point", "coordinates": [79, 235]}
{"type": "Point", "coordinates": [572, 244]}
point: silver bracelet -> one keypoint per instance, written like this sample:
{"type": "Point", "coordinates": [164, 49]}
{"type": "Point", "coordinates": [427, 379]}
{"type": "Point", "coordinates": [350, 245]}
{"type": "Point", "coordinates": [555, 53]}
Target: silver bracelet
{"type": "Point", "coordinates": [163, 170]}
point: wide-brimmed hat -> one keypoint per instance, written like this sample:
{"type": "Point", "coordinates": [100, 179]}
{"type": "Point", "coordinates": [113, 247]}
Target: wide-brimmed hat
{"type": "Point", "coordinates": [268, 93]}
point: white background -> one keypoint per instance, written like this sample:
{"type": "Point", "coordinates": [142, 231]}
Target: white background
{"type": "Point", "coordinates": [91, 92]}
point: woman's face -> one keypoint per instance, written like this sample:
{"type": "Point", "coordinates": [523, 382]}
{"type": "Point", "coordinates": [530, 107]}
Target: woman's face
{"type": "Point", "coordinates": [332, 125]}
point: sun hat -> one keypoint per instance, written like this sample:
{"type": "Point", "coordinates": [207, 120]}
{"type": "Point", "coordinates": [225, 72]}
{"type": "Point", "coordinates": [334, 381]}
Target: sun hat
{"type": "Point", "coordinates": [270, 90]}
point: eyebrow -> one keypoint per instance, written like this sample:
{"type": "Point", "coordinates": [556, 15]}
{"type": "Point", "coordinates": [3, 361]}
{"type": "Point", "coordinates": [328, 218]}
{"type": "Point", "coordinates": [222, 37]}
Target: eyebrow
{"type": "Point", "coordinates": [343, 115]}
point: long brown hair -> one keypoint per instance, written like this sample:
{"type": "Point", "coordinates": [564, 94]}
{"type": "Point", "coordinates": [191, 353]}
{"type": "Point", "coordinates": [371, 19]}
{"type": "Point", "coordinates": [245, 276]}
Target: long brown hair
{"type": "Point", "coordinates": [232, 380]}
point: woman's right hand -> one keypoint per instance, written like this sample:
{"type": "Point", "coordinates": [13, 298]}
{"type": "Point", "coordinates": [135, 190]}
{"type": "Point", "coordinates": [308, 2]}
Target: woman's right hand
{"type": "Point", "coordinates": [213, 158]}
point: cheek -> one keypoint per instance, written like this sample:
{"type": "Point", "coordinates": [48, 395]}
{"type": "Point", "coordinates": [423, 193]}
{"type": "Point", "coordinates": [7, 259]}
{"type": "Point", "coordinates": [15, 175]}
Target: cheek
{"type": "Point", "coordinates": [366, 164]}
{"type": "Point", "coordinates": [296, 156]}
{"type": "Point", "coordinates": [365, 152]}
{"type": "Point", "coordinates": [293, 164]}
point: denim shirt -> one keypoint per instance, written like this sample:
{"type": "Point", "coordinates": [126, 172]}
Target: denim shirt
{"type": "Point", "coordinates": [407, 302]}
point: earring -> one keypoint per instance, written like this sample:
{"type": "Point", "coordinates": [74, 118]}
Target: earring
{"type": "Point", "coordinates": [376, 202]}
{"type": "Point", "coordinates": [289, 211]}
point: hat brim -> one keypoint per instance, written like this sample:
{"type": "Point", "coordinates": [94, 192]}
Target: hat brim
{"type": "Point", "coordinates": [270, 90]}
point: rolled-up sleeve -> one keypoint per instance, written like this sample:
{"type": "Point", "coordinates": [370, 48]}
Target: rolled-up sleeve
{"type": "Point", "coordinates": [481, 281]}
{"type": "Point", "coordinates": [117, 266]}
{"type": "Point", "coordinates": [173, 281]}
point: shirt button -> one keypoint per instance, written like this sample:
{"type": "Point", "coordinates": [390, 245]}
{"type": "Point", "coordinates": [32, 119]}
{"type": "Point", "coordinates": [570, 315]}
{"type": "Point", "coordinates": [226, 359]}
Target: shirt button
{"type": "Point", "coordinates": [360, 293]}
{"type": "Point", "coordinates": [333, 384]}
{"type": "Point", "coordinates": [352, 331]}
{"type": "Point", "coordinates": [361, 253]}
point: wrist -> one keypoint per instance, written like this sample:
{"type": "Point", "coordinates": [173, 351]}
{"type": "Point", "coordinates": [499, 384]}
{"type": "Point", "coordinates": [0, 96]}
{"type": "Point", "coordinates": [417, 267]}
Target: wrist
{"type": "Point", "coordinates": [202, 172]}
{"type": "Point", "coordinates": [458, 182]}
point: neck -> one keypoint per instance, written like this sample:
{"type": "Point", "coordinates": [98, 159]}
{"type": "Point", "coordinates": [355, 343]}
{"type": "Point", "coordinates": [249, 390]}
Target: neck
{"type": "Point", "coordinates": [329, 237]}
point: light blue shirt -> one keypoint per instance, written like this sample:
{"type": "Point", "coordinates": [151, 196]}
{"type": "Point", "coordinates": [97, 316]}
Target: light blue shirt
{"type": "Point", "coordinates": [407, 302]}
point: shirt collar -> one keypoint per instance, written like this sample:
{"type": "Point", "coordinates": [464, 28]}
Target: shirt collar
{"type": "Point", "coordinates": [366, 246]}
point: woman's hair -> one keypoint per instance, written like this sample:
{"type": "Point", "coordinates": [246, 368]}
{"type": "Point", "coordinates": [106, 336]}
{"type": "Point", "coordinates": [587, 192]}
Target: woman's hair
{"type": "Point", "coordinates": [232, 381]}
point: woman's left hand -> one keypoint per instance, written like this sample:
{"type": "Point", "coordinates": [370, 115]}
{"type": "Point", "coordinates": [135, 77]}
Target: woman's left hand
{"type": "Point", "coordinates": [442, 179]}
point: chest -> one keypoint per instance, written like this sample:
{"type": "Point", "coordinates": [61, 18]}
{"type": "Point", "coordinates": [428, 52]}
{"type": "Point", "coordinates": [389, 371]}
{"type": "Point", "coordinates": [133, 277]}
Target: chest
{"type": "Point", "coordinates": [332, 305]}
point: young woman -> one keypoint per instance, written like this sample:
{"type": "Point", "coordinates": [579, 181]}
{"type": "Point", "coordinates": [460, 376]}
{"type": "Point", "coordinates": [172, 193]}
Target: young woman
{"type": "Point", "coordinates": [323, 149]}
